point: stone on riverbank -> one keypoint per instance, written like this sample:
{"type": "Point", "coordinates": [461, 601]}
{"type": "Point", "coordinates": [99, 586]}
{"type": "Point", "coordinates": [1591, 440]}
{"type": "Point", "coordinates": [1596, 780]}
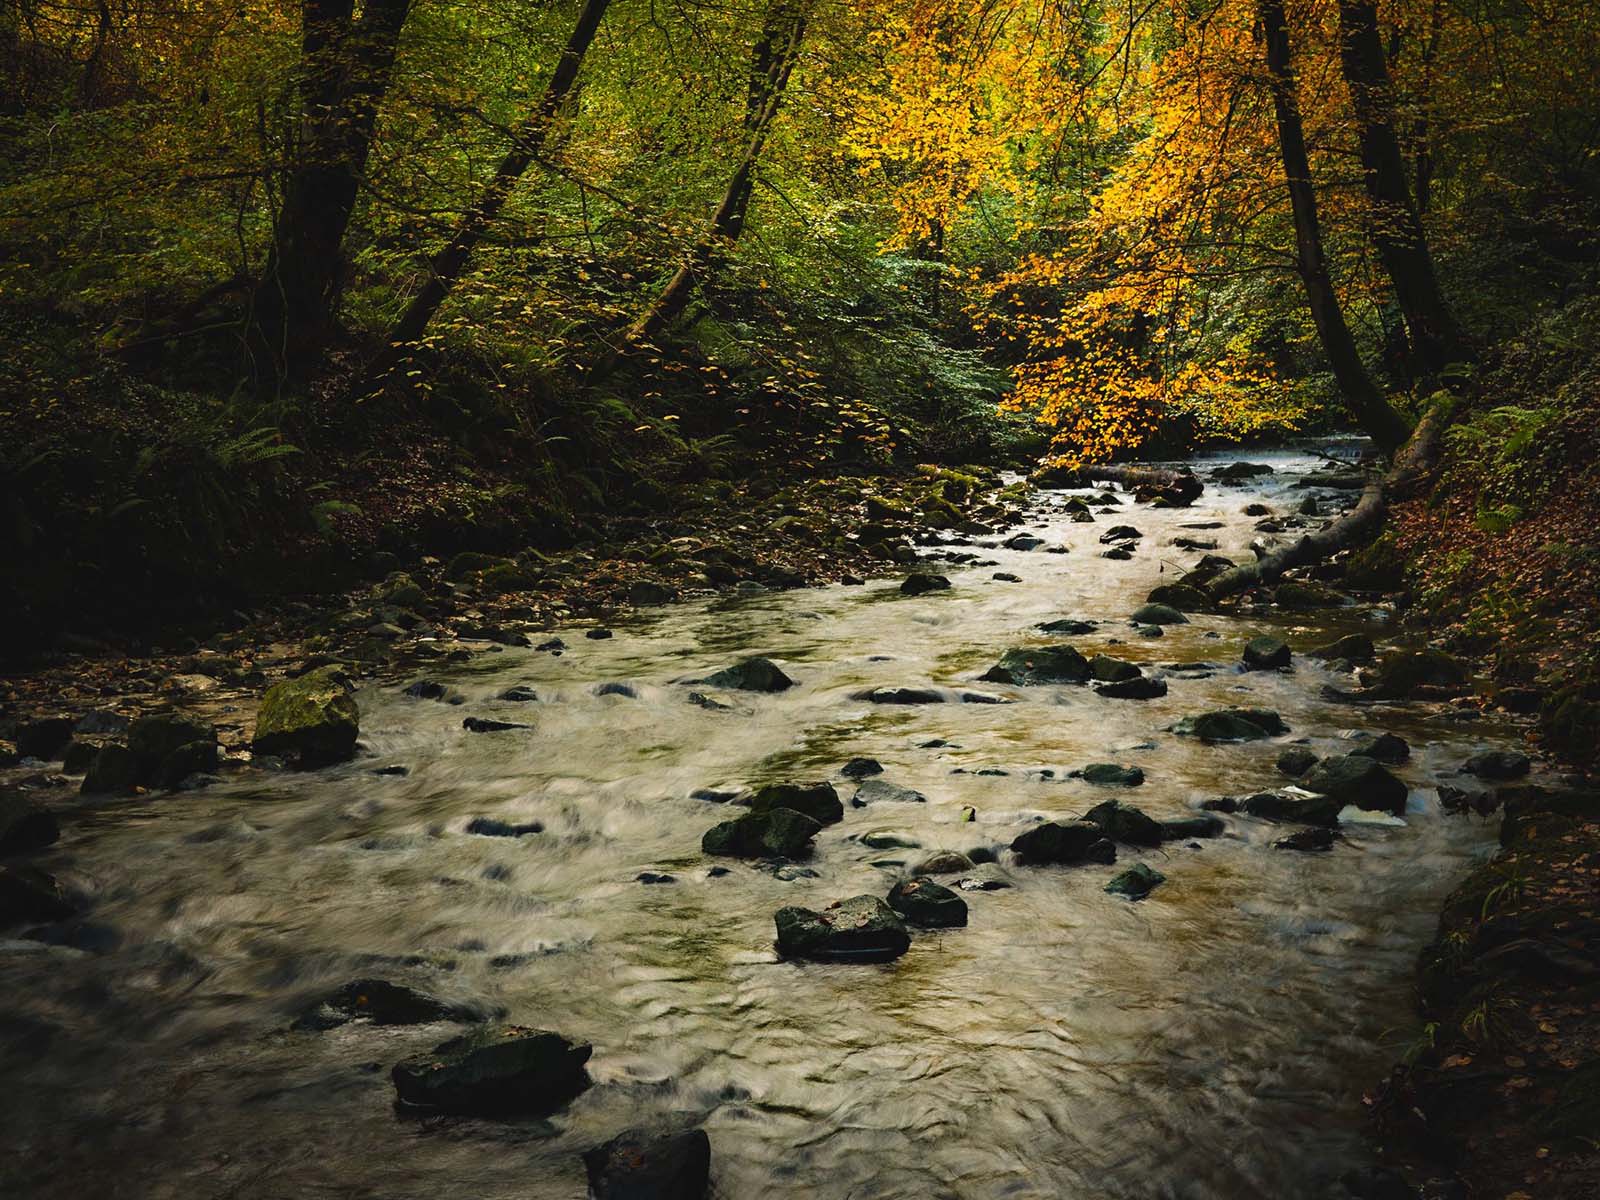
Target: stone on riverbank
{"type": "Point", "coordinates": [779, 833]}
{"type": "Point", "coordinates": [819, 801]}
{"type": "Point", "coordinates": [1039, 665]}
{"type": "Point", "coordinates": [860, 929]}
{"type": "Point", "coordinates": [1137, 882]}
{"type": "Point", "coordinates": [928, 905]}
{"type": "Point", "coordinates": [311, 721]}
{"type": "Point", "coordinates": [1405, 672]}
{"type": "Point", "coordinates": [502, 1069]}
{"type": "Point", "coordinates": [636, 1165]}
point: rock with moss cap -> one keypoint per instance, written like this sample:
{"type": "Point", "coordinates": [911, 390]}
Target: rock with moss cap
{"type": "Point", "coordinates": [310, 721]}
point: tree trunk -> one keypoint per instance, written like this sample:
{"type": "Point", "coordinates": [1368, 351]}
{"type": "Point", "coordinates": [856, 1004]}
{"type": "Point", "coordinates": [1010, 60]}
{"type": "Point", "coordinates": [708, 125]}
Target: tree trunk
{"type": "Point", "coordinates": [1371, 410]}
{"type": "Point", "coordinates": [1414, 461]}
{"type": "Point", "coordinates": [772, 61]}
{"type": "Point", "coordinates": [345, 66]}
{"type": "Point", "coordinates": [1396, 227]}
{"type": "Point", "coordinates": [448, 265]}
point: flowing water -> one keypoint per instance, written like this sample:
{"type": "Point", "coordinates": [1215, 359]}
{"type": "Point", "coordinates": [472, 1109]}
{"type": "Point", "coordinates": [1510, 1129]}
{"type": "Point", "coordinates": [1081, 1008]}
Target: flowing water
{"type": "Point", "coordinates": [1210, 1042]}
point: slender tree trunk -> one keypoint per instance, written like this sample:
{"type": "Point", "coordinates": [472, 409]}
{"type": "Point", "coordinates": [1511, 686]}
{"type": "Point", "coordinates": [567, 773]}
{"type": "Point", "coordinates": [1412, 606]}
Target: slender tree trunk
{"type": "Point", "coordinates": [773, 59]}
{"type": "Point", "coordinates": [448, 265]}
{"type": "Point", "coordinates": [1367, 404]}
{"type": "Point", "coordinates": [1396, 228]}
{"type": "Point", "coordinates": [346, 65]}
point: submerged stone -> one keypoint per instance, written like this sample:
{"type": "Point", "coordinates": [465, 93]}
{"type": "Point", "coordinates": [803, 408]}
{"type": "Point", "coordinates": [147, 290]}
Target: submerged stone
{"type": "Point", "coordinates": [1114, 774]}
{"type": "Point", "coordinates": [1137, 882]}
{"type": "Point", "coordinates": [1307, 841]}
{"type": "Point", "coordinates": [1203, 826]}
{"type": "Point", "coordinates": [636, 1165]}
{"type": "Point", "coordinates": [860, 929]}
{"type": "Point", "coordinates": [496, 1070]}
{"type": "Point", "coordinates": [382, 1003]}
{"type": "Point", "coordinates": [900, 695]}
{"type": "Point", "coordinates": [1139, 688]}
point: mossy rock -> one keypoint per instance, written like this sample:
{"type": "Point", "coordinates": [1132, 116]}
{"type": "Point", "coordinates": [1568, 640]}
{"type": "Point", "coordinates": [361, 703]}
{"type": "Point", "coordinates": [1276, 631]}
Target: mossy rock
{"type": "Point", "coordinates": [470, 562]}
{"type": "Point", "coordinates": [402, 591]}
{"type": "Point", "coordinates": [1403, 672]}
{"type": "Point", "coordinates": [1299, 593]}
{"type": "Point", "coordinates": [311, 721]}
{"type": "Point", "coordinates": [1232, 725]}
{"type": "Point", "coordinates": [819, 801]}
{"type": "Point", "coordinates": [1570, 721]}
{"type": "Point", "coordinates": [1379, 567]}
{"type": "Point", "coordinates": [1039, 665]}
{"type": "Point", "coordinates": [777, 833]}
{"type": "Point", "coordinates": [508, 577]}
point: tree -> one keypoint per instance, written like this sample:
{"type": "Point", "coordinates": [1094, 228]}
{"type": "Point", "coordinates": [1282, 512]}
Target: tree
{"type": "Point", "coordinates": [1396, 227]}
{"type": "Point", "coordinates": [1367, 404]}
{"type": "Point", "coordinates": [345, 67]}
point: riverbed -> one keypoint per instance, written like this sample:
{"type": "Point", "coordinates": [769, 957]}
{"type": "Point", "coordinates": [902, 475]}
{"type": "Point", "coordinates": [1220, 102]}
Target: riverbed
{"type": "Point", "coordinates": [1209, 1042]}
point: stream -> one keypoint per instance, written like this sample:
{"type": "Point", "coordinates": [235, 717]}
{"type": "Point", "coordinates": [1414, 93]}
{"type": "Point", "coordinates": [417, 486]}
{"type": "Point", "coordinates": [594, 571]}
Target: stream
{"type": "Point", "coordinates": [1209, 1042]}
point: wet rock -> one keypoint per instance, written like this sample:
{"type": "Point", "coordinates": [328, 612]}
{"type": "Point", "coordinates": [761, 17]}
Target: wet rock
{"type": "Point", "coordinates": [1354, 779]}
{"type": "Point", "coordinates": [1238, 471]}
{"type": "Point", "coordinates": [1301, 810]}
{"type": "Point", "coordinates": [819, 800]}
{"type": "Point", "coordinates": [710, 702]}
{"type": "Point", "coordinates": [1298, 593]}
{"type": "Point", "coordinates": [1106, 669]}
{"type": "Point", "coordinates": [928, 905]}
{"type": "Point", "coordinates": [945, 862]}
{"type": "Point", "coordinates": [382, 1003]}
{"type": "Point", "coordinates": [751, 675]}
{"type": "Point", "coordinates": [24, 826]}
{"type": "Point", "coordinates": [1296, 761]}
{"type": "Point", "coordinates": [1069, 626]}
{"type": "Point", "coordinates": [1404, 672]}
{"type": "Point", "coordinates": [1202, 826]}
{"type": "Point", "coordinates": [1266, 653]}
{"type": "Point", "coordinates": [1120, 533]}
{"type": "Point", "coordinates": [28, 894]}
{"type": "Point", "coordinates": [778, 833]}
{"type": "Point", "coordinates": [647, 592]}
{"type": "Point", "coordinates": [1124, 823]}
{"type": "Point", "coordinates": [1315, 840]}
{"type": "Point", "coordinates": [1023, 541]}
{"type": "Point", "coordinates": [1232, 725]}
{"type": "Point", "coordinates": [1204, 571]}
{"type": "Point", "coordinates": [310, 722]}
{"type": "Point", "coordinates": [185, 763]}
{"type": "Point", "coordinates": [1497, 764]}
{"type": "Point", "coordinates": [636, 1165]}
{"type": "Point", "coordinates": [501, 1069]}
{"type": "Point", "coordinates": [77, 757]}
{"type": "Point", "coordinates": [1354, 647]}
{"type": "Point", "coordinates": [1138, 688]}
{"type": "Point", "coordinates": [113, 771]}
{"type": "Point", "coordinates": [1386, 748]}
{"type": "Point", "coordinates": [1256, 510]}
{"type": "Point", "coordinates": [1158, 614]}
{"type": "Point", "coordinates": [889, 839]}
{"type": "Point", "coordinates": [919, 582]}
{"type": "Point", "coordinates": [44, 737]}
{"type": "Point", "coordinates": [1119, 553]}
{"type": "Point", "coordinates": [392, 769]}
{"type": "Point", "coordinates": [551, 646]}
{"type": "Point", "coordinates": [1137, 882]}
{"type": "Point", "coordinates": [654, 877]}
{"type": "Point", "coordinates": [490, 725]}
{"type": "Point", "coordinates": [1113, 774]}
{"type": "Point", "coordinates": [169, 747]}
{"type": "Point", "coordinates": [1181, 596]}
{"type": "Point", "coordinates": [900, 695]}
{"type": "Point", "coordinates": [860, 768]}
{"type": "Point", "coordinates": [1005, 577]}
{"type": "Point", "coordinates": [873, 791]}
{"type": "Point", "coordinates": [426, 689]}
{"type": "Point", "coordinates": [1058, 842]}
{"type": "Point", "coordinates": [860, 929]}
{"type": "Point", "coordinates": [102, 721]}
{"type": "Point", "coordinates": [598, 635]}
{"type": "Point", "coordinates": [519, 695]}
{"type": "Point", "coordinates": [1039, 665]}
{"type": "Point", "coordinates": [493, 827]}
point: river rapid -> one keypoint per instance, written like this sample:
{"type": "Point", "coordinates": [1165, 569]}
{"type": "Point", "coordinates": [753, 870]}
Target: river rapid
{"type": "Point", "coordinates": [1208, 1043]}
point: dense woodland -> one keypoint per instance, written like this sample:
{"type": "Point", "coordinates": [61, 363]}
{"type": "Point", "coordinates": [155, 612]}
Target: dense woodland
{"type": "Point", "coordinates": [299, 297]}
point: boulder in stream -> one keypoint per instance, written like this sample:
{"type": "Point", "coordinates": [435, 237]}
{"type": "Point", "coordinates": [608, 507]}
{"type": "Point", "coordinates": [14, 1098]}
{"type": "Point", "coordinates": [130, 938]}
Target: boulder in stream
{"type": "Point", "coordinates": [1295, 761]}
{"type": "Point", "coordinates": [777, 833]}
{"type": "Point", "coordinates": [1181, 596]}
{"type": "Point", "coordinates": [1039, 665]}
{"type": "Point", "coordinates": [920, 582]}
{"type": "Point", "coordinates": [1497, 764]}
{"type": "Point", "coordinates": [1358, 780]}
{"type": "Point", "coordinates": [501, 1069]}
{"type": "Point", "coordinates": [1233, 725]}
{"type": "Point", "coordinates": [861, 768]}
{"type": "Point", "coordinates": [1137, 882]}
{"type": "Point", "coordinates": [871, 791]}
{"type": "Point", "coordinates": [1158, 614]}
{"type": "Point", "coordinates": [1406, 672]}
{"type": "Point", "coordinates": [860, 929]}
{"type": "Point", "coordinates": [24, 826]}
{"type": "Point", "coordinates": [1266, 653]}
{"type": "Point", "coordinates": [1388, 748]}
{"type": "Point", "coordinates": [380, 1002]}
{"type": "Point", "coordinates": [750, 675]}
{"type": "Point", "coordinates": [1070, 626]}
{"type": "Point", "coordinates": [1302, 810]}
{"type": "Point", "coordinates": [1354, 647]}
{"type": "Point", "coordinates": [1315, 840]}
{"type": "Point", "coordinates": [1140, 687]}
{"type": "Point", "coordinates": [1061, 842]}
{"type": "Point", "coordinates": [637, 1165]}
{"type": "Point", "coordinates": [928, 905]}
{"type": "Point", "coordinates": [1203, 825]}
{"type": "Point", "coordinates": [1124, 823]}
{"type": "Point", "coordinates": [1105, 669]}
{"type": "Point", "coordinates": [1120, 533]}
{"type": "Point", "coordinates": [900, 695]}
{"type": "Point", "coordinates": [28, 894]}
{"type": "Point", "coordinates": [943, 862]}
{"type": "Point", "coordinates": [819, 801]}
{"type": "Point", "coordinates": [490, 725]}
{"type": "Point", "coordinates": [1111, 774]}
{"type": "Point", "coordinates": [310, 721]}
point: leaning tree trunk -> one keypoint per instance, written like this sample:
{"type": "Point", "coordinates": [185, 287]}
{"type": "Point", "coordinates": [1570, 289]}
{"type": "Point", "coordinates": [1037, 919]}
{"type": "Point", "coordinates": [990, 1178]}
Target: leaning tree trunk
{"type": "Point", "coordinates": [448, 265]}
{"type": "Point", "coordinates": [1371, 410]}
{"type": "Point", "coordinates": [1396, 226]}
{"type": "Point", "coordinates": [1414, 461]}
{"type": "Point", "coordinates": [772, 61]}
{"type": "Point", "coordinates": [346, 64]}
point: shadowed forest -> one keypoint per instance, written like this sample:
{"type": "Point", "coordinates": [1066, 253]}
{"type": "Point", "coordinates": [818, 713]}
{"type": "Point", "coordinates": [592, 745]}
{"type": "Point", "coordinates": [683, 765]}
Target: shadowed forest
{"type": "Point", "coordinates": [349, 345]}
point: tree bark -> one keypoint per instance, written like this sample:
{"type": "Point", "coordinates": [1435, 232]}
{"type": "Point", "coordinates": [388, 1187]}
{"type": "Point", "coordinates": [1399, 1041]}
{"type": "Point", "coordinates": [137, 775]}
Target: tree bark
{"type": "Point", "coordinates": [448, 265]}
{"type": "Point", "coordinates": [1414, 461]}
{"type": "Point", "coordinates": [771, 62]}
{"type": "Point", "coordinates": [1396, 226]}
{"type": "Point", "coordinates": [1372, 412]}
{"type": "Point", "coordinates": [346, 64]}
